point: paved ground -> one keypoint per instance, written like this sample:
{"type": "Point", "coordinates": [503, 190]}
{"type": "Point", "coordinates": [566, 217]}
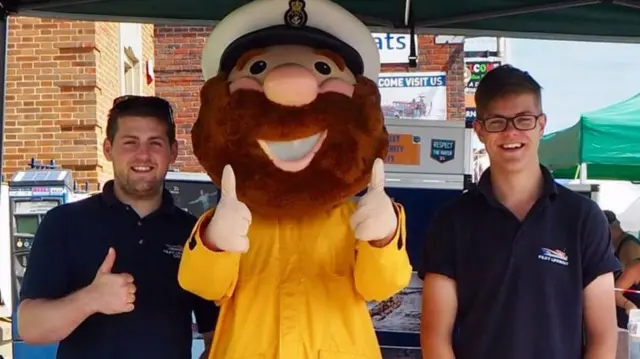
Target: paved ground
{"type": "Point", "coordinates": [5, 351]}
{"type": "Point", "coordinates": [623, 346]}
{"type": "Point", "coordinates": [5, 340]}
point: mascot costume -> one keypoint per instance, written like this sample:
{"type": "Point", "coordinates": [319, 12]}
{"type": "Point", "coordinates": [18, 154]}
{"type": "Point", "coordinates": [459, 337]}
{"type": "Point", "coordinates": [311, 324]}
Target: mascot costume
{"type": "Point", "coordinates": [291, 130]}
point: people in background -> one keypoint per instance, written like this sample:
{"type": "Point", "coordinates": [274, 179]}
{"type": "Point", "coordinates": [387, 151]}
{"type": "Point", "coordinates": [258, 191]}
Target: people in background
{"type": "Point", "coordinates": [626, 246]}
{"type": "Point", "coordinates": [627, 250]}
{"type": "Point", "coordinates": [519, 267]}
{"type": "Point", "coordinates": [626, 301]}
{"type": "Point", "coordinates": [102, 278]}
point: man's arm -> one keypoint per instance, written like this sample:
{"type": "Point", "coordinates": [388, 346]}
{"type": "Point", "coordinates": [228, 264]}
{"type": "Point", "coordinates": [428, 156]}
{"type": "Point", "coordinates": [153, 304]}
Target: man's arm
{"type": "Point", "coordinates": [439, 308]}
{"type": "Point", "coordinates": [600, 318]}
{"type": "Point", "coordinates": [44, 321]}
{"type": "Point", "coordinates": [47, 313]}
{"type": "Point", "coordinates": [598, 263]}
{"type": "Point", "coordinates": [439, 293]}
{"type": "Point", "coordinates": [206, 313]}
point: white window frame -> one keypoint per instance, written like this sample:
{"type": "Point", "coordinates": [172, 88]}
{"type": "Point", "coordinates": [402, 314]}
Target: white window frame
{"type": "Point", "coordinates": [131, 72]}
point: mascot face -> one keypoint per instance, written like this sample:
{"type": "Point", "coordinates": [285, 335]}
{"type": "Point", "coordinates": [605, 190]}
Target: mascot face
{"type": "Point", "coordinates": [299, 129]}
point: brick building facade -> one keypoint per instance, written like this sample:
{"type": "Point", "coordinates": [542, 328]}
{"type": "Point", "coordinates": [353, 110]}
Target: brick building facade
{"type": "Point", "coordinates": [62, 77]}
{"type": "Point", "coordinates": [179, 78]}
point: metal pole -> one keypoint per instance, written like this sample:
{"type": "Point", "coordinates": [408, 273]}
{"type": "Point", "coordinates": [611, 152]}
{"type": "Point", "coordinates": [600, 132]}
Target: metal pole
{"type": "Point", "coordinates": [4, 34]}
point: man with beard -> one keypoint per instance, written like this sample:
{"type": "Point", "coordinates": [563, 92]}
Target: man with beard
{"type": "Point", "coordinates": [102, 273]}
{"type": "Point", "coordinates": [290, 128]}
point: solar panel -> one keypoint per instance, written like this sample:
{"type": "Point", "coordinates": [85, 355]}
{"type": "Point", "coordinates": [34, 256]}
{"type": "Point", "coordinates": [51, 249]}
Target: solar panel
{"type": "Point", "coordinates": [41, 176]}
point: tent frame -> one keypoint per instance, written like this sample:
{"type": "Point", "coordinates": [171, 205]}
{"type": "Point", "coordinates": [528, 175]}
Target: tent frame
{"type": "Point", "coordinates": [4, 33]}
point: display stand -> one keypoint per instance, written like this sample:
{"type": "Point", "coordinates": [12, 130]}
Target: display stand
{"type": "Point", "coordinates": [429, 154]}
{"type": "Point", "coordinates": [429, 164]}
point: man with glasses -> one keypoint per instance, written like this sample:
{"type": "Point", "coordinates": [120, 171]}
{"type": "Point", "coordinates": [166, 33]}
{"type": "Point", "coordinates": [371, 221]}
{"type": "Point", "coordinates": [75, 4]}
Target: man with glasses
{"type": "Point", "coordinates": [102, 278]}
{"type": "Point", "coordinates": [519, 267]}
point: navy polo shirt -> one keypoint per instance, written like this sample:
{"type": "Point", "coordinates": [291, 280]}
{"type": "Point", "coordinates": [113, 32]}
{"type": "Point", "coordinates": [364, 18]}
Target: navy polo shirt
{"type": "Point", "coordinates": [71, 243]}
{"type": "Point", "coordinates": [519, 283]}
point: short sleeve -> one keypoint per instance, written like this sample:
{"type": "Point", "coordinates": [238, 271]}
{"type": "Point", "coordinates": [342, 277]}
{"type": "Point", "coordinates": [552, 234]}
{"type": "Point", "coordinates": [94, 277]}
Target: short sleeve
{"type": "Point", "coordinates": [597, 252]}
{"type": "Point", "coordinates": [438, 255]}
{"type": "Point", "coordinates": [47, 272]}
{"type": "Point", "coordinates": [206, 313]}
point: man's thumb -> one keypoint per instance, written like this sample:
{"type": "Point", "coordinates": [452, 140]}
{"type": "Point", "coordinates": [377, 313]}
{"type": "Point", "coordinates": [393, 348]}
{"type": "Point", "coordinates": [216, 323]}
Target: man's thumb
{"type": "Point", "coordinates": [108, 262]}
{"type": "Point", "coordinates": [228, 182]}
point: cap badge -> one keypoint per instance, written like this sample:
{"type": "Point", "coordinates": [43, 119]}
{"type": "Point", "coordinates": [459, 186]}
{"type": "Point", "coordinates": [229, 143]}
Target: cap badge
{"type": "Point", "coordinates": [296, 16]}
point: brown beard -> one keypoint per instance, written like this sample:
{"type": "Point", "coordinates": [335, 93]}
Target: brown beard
{"type": "Point", "coordinates": [229, 125]}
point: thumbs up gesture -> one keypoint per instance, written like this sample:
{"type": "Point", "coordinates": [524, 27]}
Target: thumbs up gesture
{"type": "Point", "coordinates": [112, 293]}
{"type": "Point", "coordinates": [374, 218]}
{"type": "Point", "coordinates": [229, 226]}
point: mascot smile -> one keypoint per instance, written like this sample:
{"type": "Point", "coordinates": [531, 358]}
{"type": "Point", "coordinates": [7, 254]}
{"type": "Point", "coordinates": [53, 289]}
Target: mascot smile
{"type": "Point", "coordinates": [290, 128]}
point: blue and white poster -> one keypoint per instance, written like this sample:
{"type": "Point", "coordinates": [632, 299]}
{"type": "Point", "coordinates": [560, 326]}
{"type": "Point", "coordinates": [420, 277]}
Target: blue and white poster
{"type": "Point", "coordinates": [414, 95]}
{"type": "Point", "coordinates": [443, 150]}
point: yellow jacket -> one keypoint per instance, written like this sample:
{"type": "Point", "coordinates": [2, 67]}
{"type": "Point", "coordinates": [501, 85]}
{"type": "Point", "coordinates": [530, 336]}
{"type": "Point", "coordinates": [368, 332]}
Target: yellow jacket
{"type": "Point", "coordinates": [300, 291]}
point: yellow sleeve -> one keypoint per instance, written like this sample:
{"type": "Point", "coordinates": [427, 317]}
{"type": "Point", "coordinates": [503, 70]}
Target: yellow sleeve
{"type": "Point", "coordinates": [209, 274]}
{"type": "Point", "coordinates": [382, 272]}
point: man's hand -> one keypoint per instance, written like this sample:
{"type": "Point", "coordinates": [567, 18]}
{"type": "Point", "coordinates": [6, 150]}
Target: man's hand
{"type": "Point", "coordinates": [229, 226]}
{"type": "Point", "coordinates": [112, 293]}
{"type": "Point", "coordinates": [375, 218]}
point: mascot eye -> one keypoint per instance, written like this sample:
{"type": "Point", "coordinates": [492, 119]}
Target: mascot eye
{"type": "Point", "coordinates": [322, 67]}
{"type": "Point", "coordinates": [258, 67]}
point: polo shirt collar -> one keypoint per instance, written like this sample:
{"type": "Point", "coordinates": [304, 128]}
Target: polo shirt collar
{"type": "Point", "coordinates": [109, 197]}
{"type": "Point", "coordinates": [549, 190]}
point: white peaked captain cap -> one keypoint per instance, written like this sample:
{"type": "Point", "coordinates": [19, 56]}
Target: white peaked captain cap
{"type": "Point", "coordinates": [314, 23]}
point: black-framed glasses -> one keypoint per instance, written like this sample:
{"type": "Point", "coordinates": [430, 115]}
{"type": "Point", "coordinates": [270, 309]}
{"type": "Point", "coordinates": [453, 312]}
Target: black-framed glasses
{"type": "Point", "coordinates": [126, 101]}
{"type": "Point", "coordinates": [500, 123]}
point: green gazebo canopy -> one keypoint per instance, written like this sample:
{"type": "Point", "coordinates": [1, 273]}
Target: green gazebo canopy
{"type": "Point", "coordinates": [606, 140]}
{"type": "Point", "coordinates": [584, 18]}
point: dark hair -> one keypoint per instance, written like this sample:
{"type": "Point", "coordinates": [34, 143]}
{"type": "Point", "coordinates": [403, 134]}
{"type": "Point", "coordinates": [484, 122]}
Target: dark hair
{"type": "Point", "coordinates": [502, 81]}
{"type": "Point", "coordinates": [141, 106]}
{"type": "Point", "coordinates": [611, 217]}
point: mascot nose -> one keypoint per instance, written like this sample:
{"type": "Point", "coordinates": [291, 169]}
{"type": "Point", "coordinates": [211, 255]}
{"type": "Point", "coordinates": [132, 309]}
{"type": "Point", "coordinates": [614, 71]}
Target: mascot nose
{"type": "Point", "coordinates": [290, 85]}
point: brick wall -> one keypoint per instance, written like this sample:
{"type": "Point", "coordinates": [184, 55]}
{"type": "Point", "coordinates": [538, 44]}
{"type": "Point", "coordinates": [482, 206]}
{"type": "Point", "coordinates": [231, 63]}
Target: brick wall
{"type": "Point", "coordinates": [108, 82]}
{"type": "Point", "coordinates": [178, 51]}
{"type": "Point", "coordinates": [51, 95]}
{"type": "Point", "coordinates": [148, 49]}
{"type": "Point", "coordinates": [62, 77]}
{"type": "Point", "coordinates": [447, 58]}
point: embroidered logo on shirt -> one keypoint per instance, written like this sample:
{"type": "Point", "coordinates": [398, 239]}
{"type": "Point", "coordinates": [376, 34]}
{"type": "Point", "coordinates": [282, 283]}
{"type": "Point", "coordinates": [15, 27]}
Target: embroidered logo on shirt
{"type": "Point", "coordinates": [554, 256]}
{"type": "Point", "coordinates": [173, 250]}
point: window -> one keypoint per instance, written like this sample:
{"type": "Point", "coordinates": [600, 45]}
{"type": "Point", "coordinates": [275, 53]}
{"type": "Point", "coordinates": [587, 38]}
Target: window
{"type": "Point", "coordinates": [131, 82]}
{"type": "Point", "coordinates": [131, 59]}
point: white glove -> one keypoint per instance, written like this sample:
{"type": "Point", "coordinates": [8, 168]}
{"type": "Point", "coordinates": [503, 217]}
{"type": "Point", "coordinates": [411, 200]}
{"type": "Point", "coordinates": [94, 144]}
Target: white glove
{"type": "Point", "coordinates": [229, 226]}
{"type": "Point", "coordinates": [374, 218]}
